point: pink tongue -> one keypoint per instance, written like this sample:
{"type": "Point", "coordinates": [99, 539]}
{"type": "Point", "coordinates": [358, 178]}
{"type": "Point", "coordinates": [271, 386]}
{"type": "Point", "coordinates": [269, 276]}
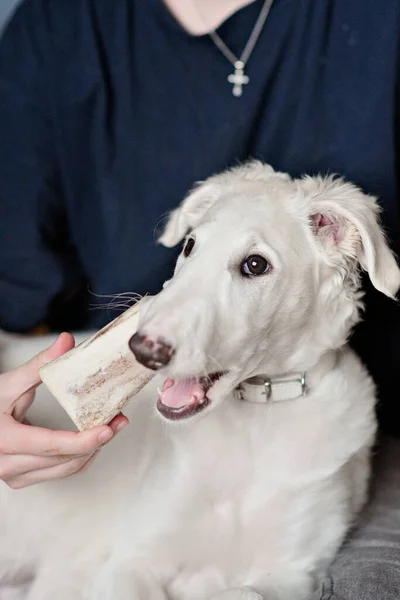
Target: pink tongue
{"type": "Point", "coordinates": [176, 394]}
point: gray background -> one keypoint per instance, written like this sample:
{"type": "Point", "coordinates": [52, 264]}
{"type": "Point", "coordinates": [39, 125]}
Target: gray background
{"type": "Point", "coordinates": [6, 8]}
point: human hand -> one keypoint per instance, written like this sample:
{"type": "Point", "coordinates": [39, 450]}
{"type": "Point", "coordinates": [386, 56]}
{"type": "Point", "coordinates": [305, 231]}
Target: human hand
{"type": "Point", "coordinates": [30, 455]}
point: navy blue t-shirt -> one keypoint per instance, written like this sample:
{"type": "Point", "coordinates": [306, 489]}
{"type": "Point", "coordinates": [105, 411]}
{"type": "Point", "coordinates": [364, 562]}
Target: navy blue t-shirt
{"type": "Point", "coordinates": [110, 111]}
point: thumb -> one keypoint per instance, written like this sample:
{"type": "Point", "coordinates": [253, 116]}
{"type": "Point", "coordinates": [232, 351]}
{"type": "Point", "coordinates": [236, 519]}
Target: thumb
{"type": "Point", "coordinates": [18, 381]}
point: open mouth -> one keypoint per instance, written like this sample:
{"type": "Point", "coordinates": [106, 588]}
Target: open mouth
{"type": "Point", "coordinates": [183, 398]}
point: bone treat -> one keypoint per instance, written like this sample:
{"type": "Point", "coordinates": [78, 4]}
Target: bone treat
{"type": "Point", "coordinates": [96, 379]}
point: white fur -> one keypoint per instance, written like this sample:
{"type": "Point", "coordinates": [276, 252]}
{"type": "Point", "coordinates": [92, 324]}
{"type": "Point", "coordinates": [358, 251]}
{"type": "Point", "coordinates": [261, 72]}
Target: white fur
{"type": "Point", "coordinates": [244, 501]}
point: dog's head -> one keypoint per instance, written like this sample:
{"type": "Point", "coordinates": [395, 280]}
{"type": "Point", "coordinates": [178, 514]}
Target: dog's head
{"type": "Point", "coordinates": [268, 280]}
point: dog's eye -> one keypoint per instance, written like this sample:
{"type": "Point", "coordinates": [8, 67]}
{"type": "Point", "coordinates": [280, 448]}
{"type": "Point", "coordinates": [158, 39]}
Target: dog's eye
{"type": "Point", "coordinates": [188, 246]}
{"type": "Point", "coordinates": [254, 265]}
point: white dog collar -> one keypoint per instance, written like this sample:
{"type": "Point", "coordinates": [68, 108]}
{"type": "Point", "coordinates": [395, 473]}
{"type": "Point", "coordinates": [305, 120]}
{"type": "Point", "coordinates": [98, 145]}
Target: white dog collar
{"type": "Point", "coordinates": [263, 389]}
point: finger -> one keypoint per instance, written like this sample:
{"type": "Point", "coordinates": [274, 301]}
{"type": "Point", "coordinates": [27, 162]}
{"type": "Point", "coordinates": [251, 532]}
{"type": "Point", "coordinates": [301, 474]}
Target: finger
{"type": "Point", "coordinates": [41, 475]}
{"type": "Point", "coordinates": [20, 406]}
{"type": "Point", "coordinates": [88, 463]}
{"type": "Point", "coordinates": [118, 423]}
{"type": "Point", "coordinates": [23, 378]}
{"type": "Point", "coordinates": [14, 466]}
{"type": "Point", "coordinates": [16, 438]}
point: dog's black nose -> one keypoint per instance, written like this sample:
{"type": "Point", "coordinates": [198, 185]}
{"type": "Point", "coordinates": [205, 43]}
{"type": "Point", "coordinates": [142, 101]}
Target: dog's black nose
{"type": "Point", "coordinates": [153, 354]}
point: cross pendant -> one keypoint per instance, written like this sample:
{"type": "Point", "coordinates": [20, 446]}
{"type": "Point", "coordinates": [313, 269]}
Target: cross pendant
{"type": "Point", "coordinates": [238, 78]}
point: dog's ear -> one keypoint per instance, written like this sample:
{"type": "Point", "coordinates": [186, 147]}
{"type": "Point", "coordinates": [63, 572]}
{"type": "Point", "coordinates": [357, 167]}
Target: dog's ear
{"type": "Point", "coordinates": [189, 213]}
{"type": "Point", "coordinates": [345, 219]}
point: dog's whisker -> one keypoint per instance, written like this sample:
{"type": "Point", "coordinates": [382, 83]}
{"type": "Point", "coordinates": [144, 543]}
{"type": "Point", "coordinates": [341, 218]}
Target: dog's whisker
{"type": "Point", "coordinates": [129, 294]}
{"type": "Point", "coordinates": [110, 306]}
{"type": "Point", "coordinates": [121, 301]}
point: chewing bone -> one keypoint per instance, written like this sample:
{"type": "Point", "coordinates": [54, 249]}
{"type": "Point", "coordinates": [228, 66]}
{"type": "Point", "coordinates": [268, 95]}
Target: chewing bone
{"type": "Point", "coordinates": [96, 379]}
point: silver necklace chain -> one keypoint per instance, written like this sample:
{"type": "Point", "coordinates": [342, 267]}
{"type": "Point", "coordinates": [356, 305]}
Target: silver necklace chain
{"type": "Point", "coordinates": [238, 78]}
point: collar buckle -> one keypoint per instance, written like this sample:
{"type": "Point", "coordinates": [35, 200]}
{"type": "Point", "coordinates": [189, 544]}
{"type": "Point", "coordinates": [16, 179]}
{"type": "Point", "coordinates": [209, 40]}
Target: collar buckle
{"type": "Point", "coordinates": [262, 389]}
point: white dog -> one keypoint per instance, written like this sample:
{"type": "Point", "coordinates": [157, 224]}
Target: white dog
{"type": "Point", "coordinates": [243, 479]}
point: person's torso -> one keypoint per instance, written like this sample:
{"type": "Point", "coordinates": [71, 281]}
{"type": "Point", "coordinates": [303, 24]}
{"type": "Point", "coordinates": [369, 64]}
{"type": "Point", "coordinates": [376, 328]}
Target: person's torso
{"type": "Point", "coordinates": [144, 110]}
